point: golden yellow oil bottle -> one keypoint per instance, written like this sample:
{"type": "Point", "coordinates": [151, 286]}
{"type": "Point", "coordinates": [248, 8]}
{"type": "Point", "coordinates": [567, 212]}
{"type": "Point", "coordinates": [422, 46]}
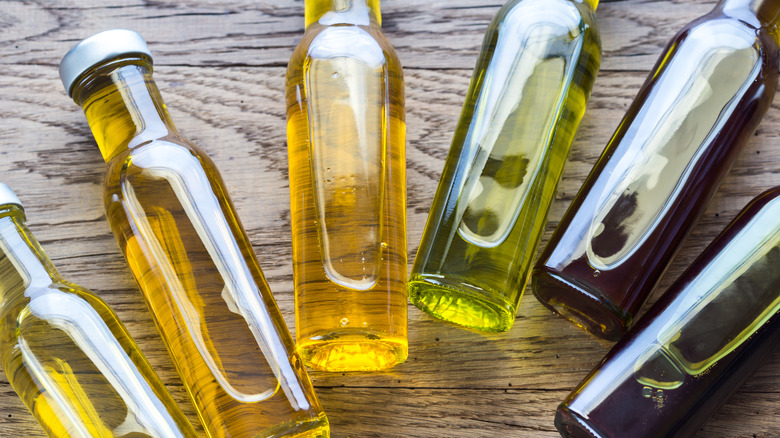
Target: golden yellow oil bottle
{"type": "Point", "coordinates": [346, 141]}
{"type": "Point", "coordinates": [175, 223]}
{"type": "Point", "coordinates": [533, 78]}
{"type": "Point", "coordinates": [66, 353]}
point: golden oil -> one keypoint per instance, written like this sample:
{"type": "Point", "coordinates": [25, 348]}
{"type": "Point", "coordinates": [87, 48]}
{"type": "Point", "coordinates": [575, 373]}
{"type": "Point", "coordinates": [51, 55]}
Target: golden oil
{"type": "Point", "coordinates": [533, 78]}
{"type": "Point", "coordinates": [170, 212]}
{"type": "Point", "coordinates": [346, 144]}
{"type": "Point", "coordinates": [67, 355]}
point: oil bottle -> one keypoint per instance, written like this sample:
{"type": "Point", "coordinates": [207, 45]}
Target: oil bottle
{"type": "Point", "coordinates": [528, 93]}
{"type": "Point", "coordinates": [66, 353]}
{"type": "Point", "coordinates": [680, 136]}
{"type": "Point", "coordinates": [346, 140]}
{"type": "Point", "coordinates": [696, 345]}
{"type": "Point", "coordinates": [169, 210]}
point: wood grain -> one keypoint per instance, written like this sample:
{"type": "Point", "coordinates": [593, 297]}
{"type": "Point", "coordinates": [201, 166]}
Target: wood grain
{"type": "Point", "coordinates": [220, 66]}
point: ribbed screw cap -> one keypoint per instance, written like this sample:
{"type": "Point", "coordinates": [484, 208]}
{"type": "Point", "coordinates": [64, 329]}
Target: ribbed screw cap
{"type": "Point", "coordinates": [100, 47]}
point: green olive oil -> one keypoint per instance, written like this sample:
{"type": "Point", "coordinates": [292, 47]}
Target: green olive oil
{"type": "Point", "coordinates": [528, 94]}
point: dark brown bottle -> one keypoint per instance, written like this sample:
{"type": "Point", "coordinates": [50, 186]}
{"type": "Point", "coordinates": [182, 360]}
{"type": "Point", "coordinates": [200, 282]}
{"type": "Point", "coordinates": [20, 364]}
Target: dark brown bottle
{"type": "Point", "coordinates": [696, 345]}
{"type": "Point", "coordinates": [686, 127]}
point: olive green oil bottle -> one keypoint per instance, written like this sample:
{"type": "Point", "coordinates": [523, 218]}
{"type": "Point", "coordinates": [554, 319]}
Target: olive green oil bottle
{"type": "Point", "coordinates": [527, 96]}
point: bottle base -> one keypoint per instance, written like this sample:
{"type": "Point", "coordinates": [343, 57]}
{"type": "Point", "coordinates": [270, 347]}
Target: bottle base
{"type": "Point", "coordinates": [583, 307]}
{"type": "Point", "coordinates": [342, 351]}
{"type": "Point", "coordinates": [317, 427]}
{"type": "Point", "coordinates": [572, 425]}
{"type": "Point", "coordinates": [462, 304]}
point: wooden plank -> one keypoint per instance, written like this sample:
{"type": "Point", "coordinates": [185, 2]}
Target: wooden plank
{"type": "Point", "coordinates": [426, 34]}
{"type": "Point", "coordinates": [435, 413]}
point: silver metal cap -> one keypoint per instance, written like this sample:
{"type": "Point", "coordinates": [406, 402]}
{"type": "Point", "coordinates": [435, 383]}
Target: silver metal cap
{"type": "Point", "coordinates": [7, 196]}
{"type": "Point", "coordinates": [98, 48]}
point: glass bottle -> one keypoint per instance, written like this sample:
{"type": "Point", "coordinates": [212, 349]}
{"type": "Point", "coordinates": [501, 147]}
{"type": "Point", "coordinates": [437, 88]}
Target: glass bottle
{"type": "Point", "coordinates": [681, 135]}
{"type": "Point", "coordinates": [175, 224]}
{"type": "Point", "coordinates": [533, 78]}
{"type": "Point", "coordinates": [696, 345]}
{"type": "Point", "coordinates": [66, 353]}
{"type": "Point", "coordinates": [346, 145]}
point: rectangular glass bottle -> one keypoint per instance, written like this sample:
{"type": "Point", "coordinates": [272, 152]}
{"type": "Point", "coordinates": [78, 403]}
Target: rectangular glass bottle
{"type": "Point", "coordinates": [174, 221]}
{"type": "Point", "coordinates": [346, 144]}
{"type": "Point", "coordinates": [694, 114]}
{"type": "Point", "coordinates": [696, 345]}
{"type": "Point", "coordinates": [65, 352]}
{"type": "Point", "coordinates": [528, 93]}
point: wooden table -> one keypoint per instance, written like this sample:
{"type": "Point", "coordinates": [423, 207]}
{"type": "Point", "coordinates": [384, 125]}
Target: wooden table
{"type": "Point", "coordinates": [220, 66]}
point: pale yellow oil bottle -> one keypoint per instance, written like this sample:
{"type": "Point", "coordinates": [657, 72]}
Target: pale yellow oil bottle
{"type": "Point", "coordinates": [66, 353]}
{"type": "Point", "coordinates": [173, 219]}
{"type": "Point", "coordinates": [346, 140]}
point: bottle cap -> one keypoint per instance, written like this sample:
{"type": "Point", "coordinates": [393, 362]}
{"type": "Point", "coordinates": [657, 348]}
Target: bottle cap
{"type": "Point", "coordinates": [100, 47]}
{"type": "Point", "coordinates": [7, 196]}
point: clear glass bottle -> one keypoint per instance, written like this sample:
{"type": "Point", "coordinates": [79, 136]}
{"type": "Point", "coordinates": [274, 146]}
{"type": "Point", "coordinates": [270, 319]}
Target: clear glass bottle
{"type": "Point", "coordinates": [696, 345]}
{"type": "Point", "coordinates": [346, 144]}
{"type": "Point", "coordinates": [66, 353]}
{"type": "Point", "coordinates": [175, 224]}
{"type": "Point", "coordinates": [681, 135]}
{"type": "Point", "coordinates": [533, 78]}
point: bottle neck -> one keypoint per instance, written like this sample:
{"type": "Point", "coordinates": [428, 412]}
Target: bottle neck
{"type": "Point", "coordinates": [123, 106]}
{"type": "Point", "coordinates": [329, 12]}
{"type": "Point", "coordinates": [23, 263]}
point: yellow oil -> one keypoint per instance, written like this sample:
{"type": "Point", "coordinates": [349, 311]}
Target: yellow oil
{"type": "Point", "coordinates": [346, 140]}
{"type": "Point", "coordinates": [68, 356]}
{"type": "Point", "coordinates": [170, 213]}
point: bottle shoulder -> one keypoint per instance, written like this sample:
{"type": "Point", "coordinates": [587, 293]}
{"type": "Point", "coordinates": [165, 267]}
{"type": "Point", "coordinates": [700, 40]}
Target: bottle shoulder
{"type": "Point", "coordinates": [715, 31]}
{"type": "Point", "coordinates": [164, 155]}
{"type": "Point", "coordinates": [715, 36]}
{"type": "Point", "coordinates": [554, 16]}
{"type": "Point", "coordinates": [55, 300]}
{"type": "Point", "coordinates": [543, 28]}
{"type": "Point", "coordinates": [365, 44]}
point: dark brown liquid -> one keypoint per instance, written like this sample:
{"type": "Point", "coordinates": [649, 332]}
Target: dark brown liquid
{"type": "Point", "coordinates": [678, 140]}
{"type": "Point", "coordinates": [702, 339]}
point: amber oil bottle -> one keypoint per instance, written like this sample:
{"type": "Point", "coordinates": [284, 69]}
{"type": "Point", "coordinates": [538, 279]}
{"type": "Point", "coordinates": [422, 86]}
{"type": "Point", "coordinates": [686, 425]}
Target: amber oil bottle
{"type": "Point", "coordinates": [696, 345]}
{"type": "Point", "coordinates": [346, 140]}
{"type": "Point", "coordinates": [180, 233]}
{"type": "Point", "coordinates": [528, 93]}
{"type": "Point", "coordinates": [66, 353]}
{"type": "Point", "coordinates": [695, 112]}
